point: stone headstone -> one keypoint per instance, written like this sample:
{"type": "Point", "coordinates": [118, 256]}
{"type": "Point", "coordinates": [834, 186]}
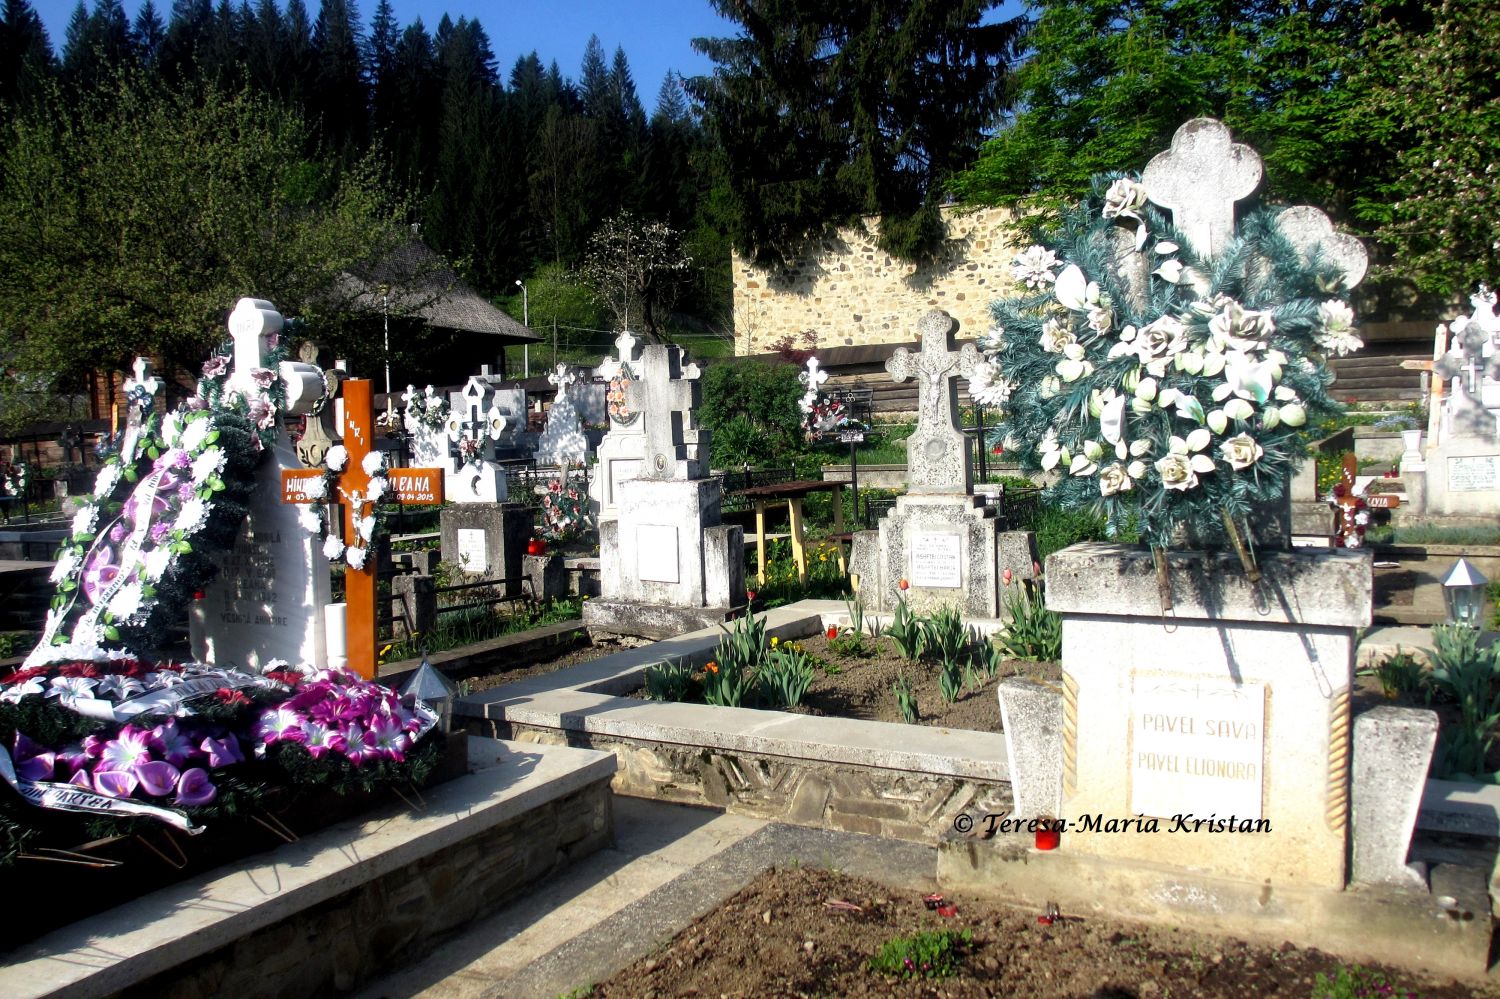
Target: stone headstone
{"type": "Point", "coordinates": [622, 452]}
{"type": "Point", "coordinates": [487, 540]}
{"type": "Point", "coordinates": [1031, 716]}
{"type": "Point", "coordinates": [1311, 232]}
{"type": "Point", "coordinates": [1199, 179]}
{"type": "Point", "coordinates": [563, 442]}
{"type": "Point", "coordinates": [667, 397]}
{"type": "Point", "coordinates": [267, 601]}
{"type": "Point", "coordinates": [936, 455]}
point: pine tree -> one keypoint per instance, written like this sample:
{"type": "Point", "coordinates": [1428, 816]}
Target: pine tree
{"type": "Point", "coordinates": [380, 57]}
{"type": "Point", "coordinates": [294, 75]}
{"type": "Point", "coordinates": [338, 100]}
{"type": "Point", "coordinates": [263, 47]}
{"type": "Point", "coordinates": [146, 35]}
{"type": "Point", "coordinates": [26, 60]}
{"type": "Point", "coordinates": [828, 111]}
{"type": "Point", "coordinates": [186, 39]}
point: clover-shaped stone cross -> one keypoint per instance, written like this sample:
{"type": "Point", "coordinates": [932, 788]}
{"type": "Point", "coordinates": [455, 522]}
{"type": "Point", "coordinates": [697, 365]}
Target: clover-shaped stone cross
{"type": "Point", "coordinates": [1199, 179]}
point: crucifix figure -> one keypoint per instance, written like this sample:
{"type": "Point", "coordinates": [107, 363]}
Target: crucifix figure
{"type": "Point", "coordinates": [140, 395]}
{"type": "Point", "coordinates": [473, 430]}
{"type": "Point", "coordinates": [1199, 179]}
{"type": "Point", "coordinates": [667, 399]}
{"type": "Point", "coordinates": [935, 453]}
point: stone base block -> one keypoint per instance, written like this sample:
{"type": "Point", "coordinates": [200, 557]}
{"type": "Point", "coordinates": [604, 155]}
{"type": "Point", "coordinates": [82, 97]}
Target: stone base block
{"type": "Point", "coordinates": [548, 575]}
{"type": "Point", "coordinates": [606, 618]}
{"type": "Point", "coordinates": [1413, 929]}
{"type": "Point", "coordinates": [496, 551]}
{"type": "Point", "coordinates": [331, 911]}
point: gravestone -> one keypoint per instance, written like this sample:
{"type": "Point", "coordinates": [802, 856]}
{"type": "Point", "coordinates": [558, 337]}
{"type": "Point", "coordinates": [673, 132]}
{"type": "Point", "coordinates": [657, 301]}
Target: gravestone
{"type": "Point", "coordinates": [623, 448]}
{"type": "Point", "coordinates": [562, 442]}
{"type": "Point", "coordinates": [1461, 471]}
{"type": "Point", "coordinates": [267, 601]}
{"type": "Point", "coordinates": [667, 564]}
{"type": "Point", "coordinates": [940, 539]}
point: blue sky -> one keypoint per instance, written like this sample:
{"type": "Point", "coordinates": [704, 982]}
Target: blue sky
{"type": "Point", "coordinates": [656, 35]}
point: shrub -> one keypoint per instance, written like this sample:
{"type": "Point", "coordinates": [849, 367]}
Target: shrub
{"type": "Point", "coordinates": [933, 954]}
{"type": "Point", "coordinates": [1399, 673]}
{"type": "Point", "coordinates": [951, 681]}
{"type": "Point", "coordinates": [1056, 529]}
{"type": "Point", "coordinates": [752, 408]}
{"type": "Point", "coordinates": [1358, 982]}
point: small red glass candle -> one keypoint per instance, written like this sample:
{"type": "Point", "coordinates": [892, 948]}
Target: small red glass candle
{"type": "Point", "coordinates": [1048, 836]}
{"type": "Point", "coordinates": [536, 546]}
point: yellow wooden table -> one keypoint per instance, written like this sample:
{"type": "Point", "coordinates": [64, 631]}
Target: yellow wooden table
{"type": "Point", "coordinates": [792, 493]}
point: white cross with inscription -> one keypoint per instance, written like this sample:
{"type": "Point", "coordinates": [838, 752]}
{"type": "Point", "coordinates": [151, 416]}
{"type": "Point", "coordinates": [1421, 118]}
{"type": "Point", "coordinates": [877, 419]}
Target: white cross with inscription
{"type": "Point", "coordinates": [1199, 179]}
{"type": "Point", "coordinates": [667, 398]}
{"type": "Point", "coordinates": [936, 458]}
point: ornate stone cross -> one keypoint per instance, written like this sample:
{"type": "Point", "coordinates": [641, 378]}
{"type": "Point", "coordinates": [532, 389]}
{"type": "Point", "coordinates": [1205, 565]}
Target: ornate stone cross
{"type": "Point", "coordinates": [627, 347]}
{"type": "Point", "coordinates": [1199, 179]}
{"type": "Point", "coordinates": [667, 398]}
{"type": "Point", "coordinates": [935, 453]}
{"type": "Point", "coordinates": [1310, 231]}
{"type": "Point", "coordinates": [473, 430]}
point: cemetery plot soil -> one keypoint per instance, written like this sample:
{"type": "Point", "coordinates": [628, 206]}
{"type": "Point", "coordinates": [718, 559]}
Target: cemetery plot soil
{"type": "Point", "coordinates": [545, 662]}
{"type": "Point", "coordinates": [779, 937]}
{"type": "Point", "coordinates": [862, 688]}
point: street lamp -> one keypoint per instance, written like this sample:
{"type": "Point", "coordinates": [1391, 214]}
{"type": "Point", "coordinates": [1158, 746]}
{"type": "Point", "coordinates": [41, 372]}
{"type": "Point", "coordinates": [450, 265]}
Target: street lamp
{"type": "Point", "coordinates": [525, 321]}
{"type": "Point", "coordinates": [1463, 592]}
{"type": "Point", "coordinates": [385, 314]}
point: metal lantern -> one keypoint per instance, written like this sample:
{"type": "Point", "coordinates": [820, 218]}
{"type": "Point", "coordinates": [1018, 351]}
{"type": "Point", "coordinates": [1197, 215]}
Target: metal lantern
{"type": "Point", "coordinates": [1463, 592]}
{"type": "Point", "coordinates": [427, 684]}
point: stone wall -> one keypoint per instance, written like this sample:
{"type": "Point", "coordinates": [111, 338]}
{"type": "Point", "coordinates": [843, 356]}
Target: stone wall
{"type": "Point", "coordinates": [896, 804]}
{"type": "Point", "coordinates": [847, 291]}
{"type": "Point", "coordinates": [386, 923]}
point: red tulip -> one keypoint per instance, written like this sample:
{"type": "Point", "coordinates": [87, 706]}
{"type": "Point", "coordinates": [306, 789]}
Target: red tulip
{"type": "Point", "coordinates": [1006, 576]}
{"type": "Point", "coordinates": [904, 585]}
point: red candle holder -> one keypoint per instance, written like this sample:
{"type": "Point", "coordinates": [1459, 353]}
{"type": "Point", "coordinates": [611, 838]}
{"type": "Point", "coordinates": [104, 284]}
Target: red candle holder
{"type": "Point", "coordinates": [1048, 837]}
{"type": "Point", "coordinates": [536, 546]}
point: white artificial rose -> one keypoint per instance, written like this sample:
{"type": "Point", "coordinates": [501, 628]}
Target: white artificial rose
{"type": "Point", "coordinates": [355, 557]}
{"type": "Point", "coordinates": [1176, 472]}
{"type": "Point", "coordinates": [333, 548]}
{"type": "Point", "coordinates": [373, 463]}
{"type": "Point", "coordinates": [377, 488]}
{"type": "Point", "coordinates": [1241, 452]}
{"type": "Point", "coordinates": [64, 566]}
{"type": "Point", "coordinates": [191, 517]}
{"type": "Point", "coordinates": [1114, 479]}
{"type": "Point", "coordinates": [208, 464]}
{"type": "Point", "coordinates": [1124, 197]}
{"type": "Point", "coordinates": [1056, 337]}
{"type": "Point", "coordinates": [336, 458]}
{"type": "Point", "coordinates": [1033, 267]}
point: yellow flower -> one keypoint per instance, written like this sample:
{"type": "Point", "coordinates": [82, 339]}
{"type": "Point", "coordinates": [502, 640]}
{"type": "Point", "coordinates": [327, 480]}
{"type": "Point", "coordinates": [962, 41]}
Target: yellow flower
{"type": "Point", "coordinates": [775, 641]}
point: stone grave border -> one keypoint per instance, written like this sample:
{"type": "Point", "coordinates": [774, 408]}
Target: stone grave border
{"type": "Point", "coordinates": [334, 909]}
{"type": "Point", "coordinates": [754, 762]}
{"type": "Point", "coordinates": [889, 779]}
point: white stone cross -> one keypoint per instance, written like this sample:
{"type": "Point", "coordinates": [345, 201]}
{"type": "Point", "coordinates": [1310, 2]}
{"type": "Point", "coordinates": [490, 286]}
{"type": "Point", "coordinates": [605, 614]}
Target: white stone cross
{"type": "Point", "coordinates": [667, 399]}
{"type": "Point", "coordinates": [1310, 231]}
{"type": "Point", "coordinates": [935, 453]}
{"type": "Point", "coordinates": [628, 353]}
{"type": "Point", "coordinates": [563, 377]}
{"type": "Point", "coordinates": [1199, 179]}
{"type": "Point", "coordinates": [252, 320]}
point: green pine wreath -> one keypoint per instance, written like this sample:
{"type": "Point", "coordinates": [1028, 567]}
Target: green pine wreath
{"type": "Point", "coordinates": [1163, 389]}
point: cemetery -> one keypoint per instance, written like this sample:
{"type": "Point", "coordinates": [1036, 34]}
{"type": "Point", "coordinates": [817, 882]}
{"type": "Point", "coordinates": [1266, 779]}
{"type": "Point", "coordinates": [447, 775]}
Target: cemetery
{"type": "Point", "coordinates": [1096, 625]}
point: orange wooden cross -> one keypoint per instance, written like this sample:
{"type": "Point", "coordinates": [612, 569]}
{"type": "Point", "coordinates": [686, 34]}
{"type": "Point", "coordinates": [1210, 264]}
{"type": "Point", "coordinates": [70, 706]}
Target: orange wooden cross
{"type": "Point", "coordinates": [419, 486]}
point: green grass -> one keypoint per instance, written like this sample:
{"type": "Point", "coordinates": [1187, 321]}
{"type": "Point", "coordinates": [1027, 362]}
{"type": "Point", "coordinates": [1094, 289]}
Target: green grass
{"type": "Point", "coordinates": [1421, 534]}
{"type": "Point", "coordinates": [479, 624]}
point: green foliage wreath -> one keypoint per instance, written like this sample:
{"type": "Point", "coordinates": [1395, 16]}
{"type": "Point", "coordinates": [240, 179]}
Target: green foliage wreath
{"type": "Point", "coordinates": [1158, 384]}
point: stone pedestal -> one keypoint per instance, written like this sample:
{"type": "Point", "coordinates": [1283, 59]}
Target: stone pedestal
{"type": "Point", "coordinates": [1463, 477]}
{"type": "Point", "coordinates": [1216, 737]}
{"type": "Point", "coordinates": [666, 560]}
{"type": "Point", "coordinates": [948, 549]}
{"type": "Point", "coordinates": [548, 575]}
{"type": "Point", "coordinates": [487, 540]}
